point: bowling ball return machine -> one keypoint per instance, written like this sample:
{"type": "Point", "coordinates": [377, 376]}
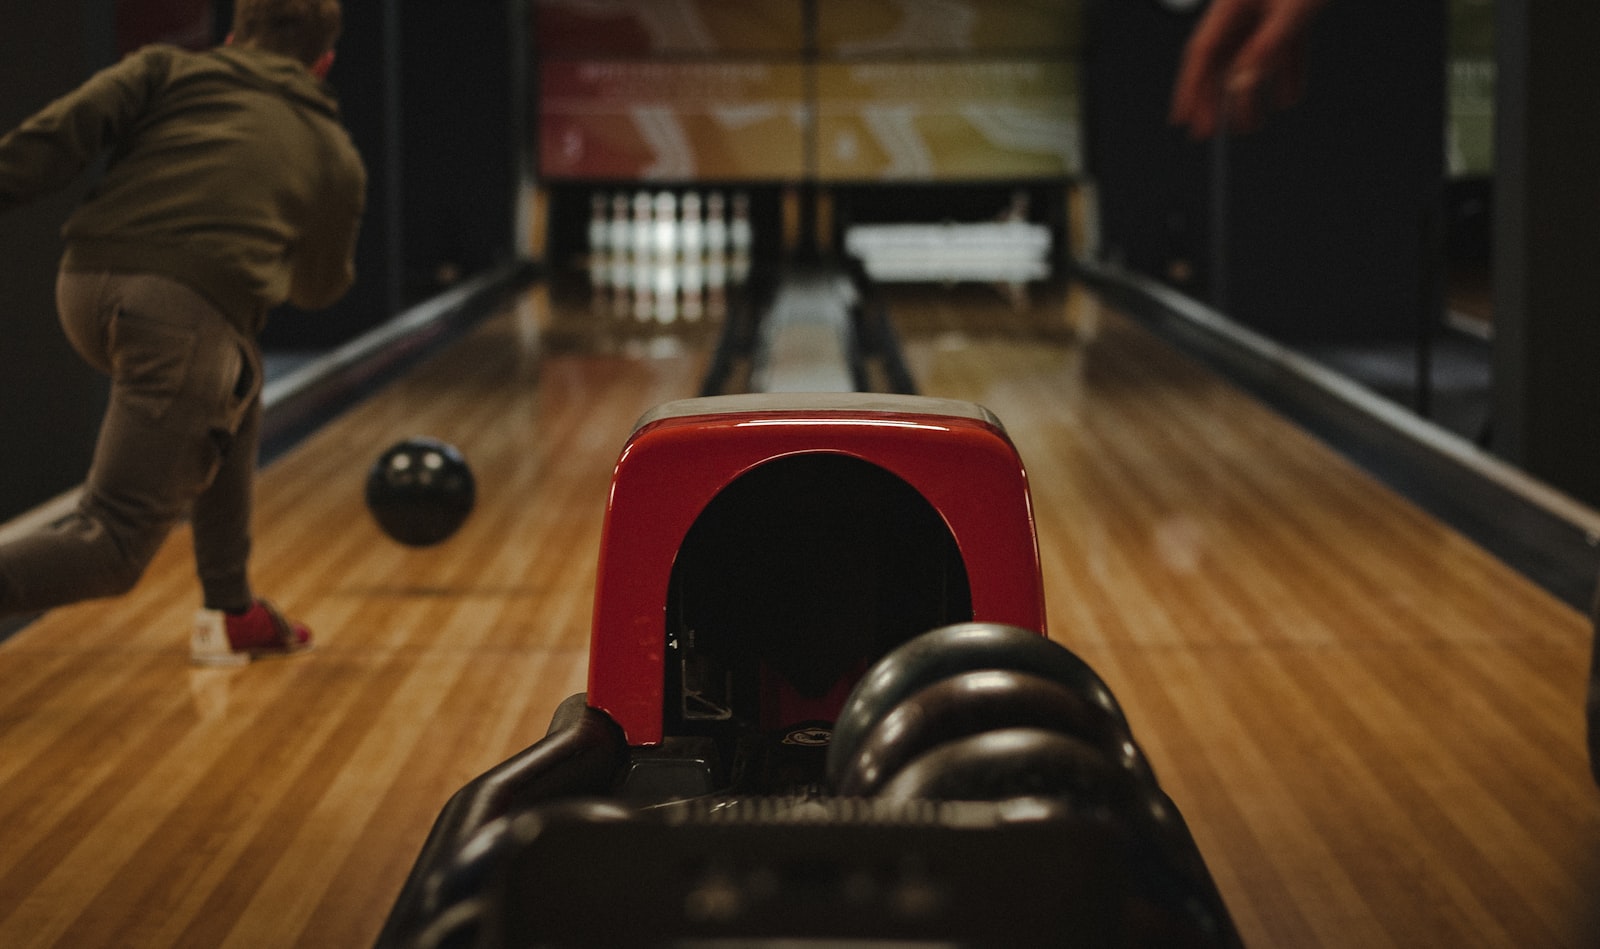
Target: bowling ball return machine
{"type": "Point", "coordinates": [821, 710]}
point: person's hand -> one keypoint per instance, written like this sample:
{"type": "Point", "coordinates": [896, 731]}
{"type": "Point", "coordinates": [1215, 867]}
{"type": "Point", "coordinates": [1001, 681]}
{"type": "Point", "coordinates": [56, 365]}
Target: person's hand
{"type": "Point", "coordinates": [1243, 56]}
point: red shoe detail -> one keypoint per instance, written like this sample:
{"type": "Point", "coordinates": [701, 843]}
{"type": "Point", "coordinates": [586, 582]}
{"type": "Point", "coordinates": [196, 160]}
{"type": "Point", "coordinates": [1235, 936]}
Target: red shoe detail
{"type": "Point", "coordinates": [223, 639]}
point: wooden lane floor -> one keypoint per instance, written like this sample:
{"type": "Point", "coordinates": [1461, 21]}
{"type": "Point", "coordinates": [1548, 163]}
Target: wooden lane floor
{"type": "Point", "coordinates": [1372, 727]}
{"type": "Point", "coordinates": [146, 803]}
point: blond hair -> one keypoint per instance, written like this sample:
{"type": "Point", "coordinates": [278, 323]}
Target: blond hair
{"type": "Point", "coordinates": [304, 29]}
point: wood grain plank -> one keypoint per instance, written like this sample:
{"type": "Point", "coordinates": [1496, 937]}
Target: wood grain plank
{"type": "Point", "coordinates": [1373, 727]}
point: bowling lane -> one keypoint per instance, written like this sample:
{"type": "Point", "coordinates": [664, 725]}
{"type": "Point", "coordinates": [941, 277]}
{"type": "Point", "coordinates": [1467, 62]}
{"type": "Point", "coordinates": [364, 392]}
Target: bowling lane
{"type": "Point", "coordinates": [146, 803]}
{"type": "Point", "coordinates": [1373, 727]}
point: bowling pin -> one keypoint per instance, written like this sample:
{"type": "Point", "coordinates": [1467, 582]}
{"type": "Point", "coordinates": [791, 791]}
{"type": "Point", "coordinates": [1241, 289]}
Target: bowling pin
{"type": "Point", "coordinates": [1017, 210]}
{"type": "Point", "coordinates": [716, 233]}
{"type": "Point", "coordinates": [691, 233]}
{"type": "Point", "coordinates": [740, 239]}
{"type": "Point", "coordinates": [643, 223]}
{"type": "Point", "coordinates": [599, 227]}
{"type": "Point", "coordinates": [740, 235]}
{"type": "Point", "coordinates": [665, 302]}
{"type": "Point", "coordinates": [621, 233]}
{"type": "Point", "coordinates": [666, 212]}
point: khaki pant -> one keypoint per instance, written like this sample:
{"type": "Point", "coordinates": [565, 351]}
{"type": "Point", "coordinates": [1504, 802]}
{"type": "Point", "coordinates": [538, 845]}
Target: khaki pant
{"type": "Point", "coordinates": [179, 438]}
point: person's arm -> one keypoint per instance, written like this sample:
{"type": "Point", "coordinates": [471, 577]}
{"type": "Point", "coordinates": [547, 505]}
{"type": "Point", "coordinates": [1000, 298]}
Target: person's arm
{"type": "Point", "coordinates": [48, 150]}
{"type": "Point", "coordinates": [323, 261]}
{"type": "Point", "coordinates": [1243, 55]}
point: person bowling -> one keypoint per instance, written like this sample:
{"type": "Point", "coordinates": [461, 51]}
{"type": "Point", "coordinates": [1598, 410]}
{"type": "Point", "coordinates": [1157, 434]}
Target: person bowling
{"type": "Point", "coordinates": [231, 188]}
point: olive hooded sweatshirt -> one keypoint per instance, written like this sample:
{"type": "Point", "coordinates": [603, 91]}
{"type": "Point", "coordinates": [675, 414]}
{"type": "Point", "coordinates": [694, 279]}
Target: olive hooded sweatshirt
{"type": "Point", "coordinates": [228, 170]}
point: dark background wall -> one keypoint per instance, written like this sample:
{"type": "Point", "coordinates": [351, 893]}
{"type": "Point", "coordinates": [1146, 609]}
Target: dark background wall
{"type": "Point", "coordinates": [1327, 216]}
{"type": "Point", "coordinates": [428, 91]}
{"type": "Point", "coordinates": [50, 403]}
{"type": "Point", "coordinates": [1547, 243]}
{"type": "Point", "coordinates": [1151, 181]}
{"type": "Point", "coordinates": [1330, 224]}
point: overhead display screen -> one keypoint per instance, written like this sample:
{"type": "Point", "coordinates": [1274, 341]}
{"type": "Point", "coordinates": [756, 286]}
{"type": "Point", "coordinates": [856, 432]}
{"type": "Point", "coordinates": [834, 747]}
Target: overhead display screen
{"type": "Point", "coordinates": [786, 90]}
{"type": "Point", "coordinates": [868, 28]}
{"type": "Point", "coordinates": [653, 27]}
{"type": "Point", "coordinates": [948, 120]}
{"type": "Point", "coordinates": [679, 121]}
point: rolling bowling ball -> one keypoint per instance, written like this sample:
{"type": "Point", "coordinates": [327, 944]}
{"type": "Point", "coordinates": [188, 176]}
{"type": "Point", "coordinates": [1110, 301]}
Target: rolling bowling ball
{"type": "Point", "coordinates": [420, 490]}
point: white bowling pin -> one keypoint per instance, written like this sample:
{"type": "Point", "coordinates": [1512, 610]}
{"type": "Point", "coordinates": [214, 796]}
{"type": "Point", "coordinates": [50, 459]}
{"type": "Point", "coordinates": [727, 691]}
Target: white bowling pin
{"type": "Point", "coordinates": [716, 223]}
{"type": "Point", "coordinates": [691, 234]}
{"type": "Point", "coordinates": [740, 236]}
{"type": "Point", "coordinates": [666, 239]}
{"type": "Point", "coordinates": [643, 223]}
{"type": "Point", "coordinates": [620, 225]}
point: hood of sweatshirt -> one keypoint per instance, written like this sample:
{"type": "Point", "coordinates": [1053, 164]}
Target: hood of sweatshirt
{"type": "Point", "coordinates": [275, 72]}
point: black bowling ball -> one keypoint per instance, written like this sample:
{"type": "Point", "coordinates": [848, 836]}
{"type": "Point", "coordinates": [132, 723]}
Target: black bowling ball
{"type": "Point", "coordinates": [420, 490]}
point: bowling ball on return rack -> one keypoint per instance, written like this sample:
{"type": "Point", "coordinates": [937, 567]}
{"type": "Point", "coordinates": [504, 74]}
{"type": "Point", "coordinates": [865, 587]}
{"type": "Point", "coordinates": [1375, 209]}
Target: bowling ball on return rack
{"type": "Point", "coordinates": [420, 491]}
